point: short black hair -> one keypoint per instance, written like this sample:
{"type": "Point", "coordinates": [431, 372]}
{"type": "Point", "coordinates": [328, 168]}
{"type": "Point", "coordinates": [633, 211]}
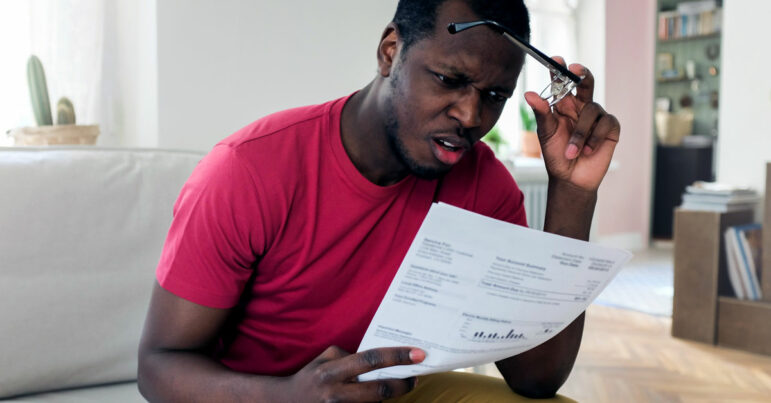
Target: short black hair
{"type": "Point", "coordinates": [416, 19]}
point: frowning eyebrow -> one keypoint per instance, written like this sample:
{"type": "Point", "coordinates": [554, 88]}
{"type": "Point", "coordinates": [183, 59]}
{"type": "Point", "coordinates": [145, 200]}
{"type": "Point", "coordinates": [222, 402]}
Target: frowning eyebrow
{"type": "Point", "coordinates": [458, 74]}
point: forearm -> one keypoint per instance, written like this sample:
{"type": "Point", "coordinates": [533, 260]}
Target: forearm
{"type": "Point", "coordinates": [541, 371]}
{"type": "Point", "coordinates": [181, 376]}
{"type": "Point", "coordinates": [569, 210]}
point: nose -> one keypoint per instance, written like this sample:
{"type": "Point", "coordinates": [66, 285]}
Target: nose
{"type": "Point", "coordinates": [467, 109]}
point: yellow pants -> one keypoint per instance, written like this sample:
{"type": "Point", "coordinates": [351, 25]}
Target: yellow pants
{"type": "Point", "coordinates": [462, 387]}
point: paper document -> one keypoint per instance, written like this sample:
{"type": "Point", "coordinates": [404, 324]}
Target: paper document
{"type": "Point", "coordinates": [474, 290]}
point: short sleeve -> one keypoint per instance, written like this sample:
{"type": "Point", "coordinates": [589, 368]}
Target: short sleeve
{"type": "Point", "coordinates": [217, 233]}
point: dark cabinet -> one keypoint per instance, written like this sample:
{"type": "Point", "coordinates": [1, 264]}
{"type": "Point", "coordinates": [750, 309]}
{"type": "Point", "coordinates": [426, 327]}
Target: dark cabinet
{"type": "Point", "coordinates": [676, 168]}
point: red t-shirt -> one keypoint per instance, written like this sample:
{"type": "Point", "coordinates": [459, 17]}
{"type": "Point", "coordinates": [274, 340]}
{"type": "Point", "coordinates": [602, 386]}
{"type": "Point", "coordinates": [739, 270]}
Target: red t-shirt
{"type": "Point", "coordinates": [282, 200]}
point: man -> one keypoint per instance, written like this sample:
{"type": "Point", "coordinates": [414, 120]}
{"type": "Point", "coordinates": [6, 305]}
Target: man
{"type": "Point", "coordinates": [288, 233]}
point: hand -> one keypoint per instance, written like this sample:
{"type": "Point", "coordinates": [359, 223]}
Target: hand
{"type": "Point", "coordinates": [577, 137]}
{"type": "Point", "coordinates": [331, 377]}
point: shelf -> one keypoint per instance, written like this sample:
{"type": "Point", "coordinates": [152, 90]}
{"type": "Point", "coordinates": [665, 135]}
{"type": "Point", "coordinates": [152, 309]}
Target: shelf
{"type": "Point", "coordinates": [714, 35]}
{"type": "Point", "coordinates": [745, 325]}
{"type": "Point", "coordinates": [674, 80]}
{"type": "Point", "coordinates": [704, 308]}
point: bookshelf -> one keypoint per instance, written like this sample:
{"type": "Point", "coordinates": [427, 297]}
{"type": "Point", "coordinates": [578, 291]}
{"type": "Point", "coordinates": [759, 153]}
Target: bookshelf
{"type": "Point", "coordinates": [704, 305]}
{"type": "Point", "coordinates": [687, 73]}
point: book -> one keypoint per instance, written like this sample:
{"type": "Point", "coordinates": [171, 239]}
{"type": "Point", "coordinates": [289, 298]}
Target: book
{"type": "Point", "coordinates": [694, 7]}
{"type": "Point", "coordinates": [737, 283]}
{"type": "Point", "coordinates": [718, 207]}
{"type": "Point", "coordinates": [746, 241]}
{"type": "Point", "coordinates": [721, 198]}
{"type": "Point", "coordinates": [715, 188]}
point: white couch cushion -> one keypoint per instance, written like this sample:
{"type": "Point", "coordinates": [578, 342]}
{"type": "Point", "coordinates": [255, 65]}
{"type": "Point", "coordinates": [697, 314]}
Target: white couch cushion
{"type": "Point", "coordinates": [120, 393]}
{"type": "Point", "coordinates": [81, 231]}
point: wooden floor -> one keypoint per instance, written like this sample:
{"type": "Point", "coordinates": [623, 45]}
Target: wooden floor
{"type": "Point", "coordinates": [628, 356]}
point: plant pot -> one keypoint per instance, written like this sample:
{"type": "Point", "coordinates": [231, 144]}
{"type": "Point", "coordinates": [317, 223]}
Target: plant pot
{"type": "Point", "coordinates": [530, 145]}
{"type": "Point", "coordinates": [55, 135]}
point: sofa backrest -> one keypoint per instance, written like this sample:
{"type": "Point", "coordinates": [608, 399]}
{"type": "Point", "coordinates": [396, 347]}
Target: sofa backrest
{"type": "Point", "coordinates": [81, 231]}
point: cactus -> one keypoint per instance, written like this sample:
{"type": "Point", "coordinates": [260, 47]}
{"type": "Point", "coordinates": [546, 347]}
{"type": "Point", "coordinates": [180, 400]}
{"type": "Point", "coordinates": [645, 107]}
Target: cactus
{"type": "Point", "coordinates": [38, 91]}
{"type": "Point", "coordinates": [65, 112]}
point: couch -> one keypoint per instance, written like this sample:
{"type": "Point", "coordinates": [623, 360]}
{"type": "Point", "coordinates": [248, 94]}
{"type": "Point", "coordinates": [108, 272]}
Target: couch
{"type": "Point", "coordinates": [81, 231]}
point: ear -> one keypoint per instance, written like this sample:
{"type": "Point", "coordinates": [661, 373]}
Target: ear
{"type": "Point", "coordinates": [388, 49]}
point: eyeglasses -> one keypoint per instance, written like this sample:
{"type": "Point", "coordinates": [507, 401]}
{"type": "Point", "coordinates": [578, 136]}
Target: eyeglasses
{"type": "Point", "coordinates": [563, 80]}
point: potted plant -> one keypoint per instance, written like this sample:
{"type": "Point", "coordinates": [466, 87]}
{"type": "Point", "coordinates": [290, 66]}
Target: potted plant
{"type": "Point", "coordinates": [529, 143]}
{"type": "Point", "coordinates": [494, 139]}
{"type": "Point", "coordinates": [65, 131]}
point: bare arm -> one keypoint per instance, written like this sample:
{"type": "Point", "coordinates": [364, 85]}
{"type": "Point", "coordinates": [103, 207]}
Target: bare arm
{"type": "Point", "coordinates": [540, 372]}
{"type": "Point", "coordinates": [578, 139]}
{"type": "Point", "coordinates": [173, 366]}
{"type": "Point", "coordinates": [172, 362]}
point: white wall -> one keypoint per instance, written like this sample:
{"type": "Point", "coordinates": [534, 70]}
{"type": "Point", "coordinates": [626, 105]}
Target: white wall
{"type": "Point", "coordinates": [223, 64]}
{"type": "Point", "coordinates": [590, 16]}
{"type": "Point", "coordinates": [132, 57]}
{"type": "Point", "coordinates": [744, 139]}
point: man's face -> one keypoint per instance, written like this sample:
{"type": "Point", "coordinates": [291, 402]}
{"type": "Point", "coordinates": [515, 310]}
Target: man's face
{"type": "Point", "coordinates": [447, 92]}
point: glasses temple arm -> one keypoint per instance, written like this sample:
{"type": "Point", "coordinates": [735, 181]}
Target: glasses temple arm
{"type": "Point", "coordinates": [547, 61]}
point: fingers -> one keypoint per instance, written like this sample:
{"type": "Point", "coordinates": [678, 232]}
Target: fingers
{"type": "Point", "coordinates": [606, 129]}
{"type": "Point", "coordinates": [582, 131]}
{"type": "Point", "coordinates": [546, 121]}
{"type": "Point", "coordinates": [374, 391]}
{"type": "Point", "coordinates": [558, 59]}
{"type": "Point", "coordinates": [350, 366]}
{"type": "Point", "coordinates": [585, 89]}
{"type": "Point", "coordinates": [594, 127]}
{"type": "Point", "coordinates": [333, 374]}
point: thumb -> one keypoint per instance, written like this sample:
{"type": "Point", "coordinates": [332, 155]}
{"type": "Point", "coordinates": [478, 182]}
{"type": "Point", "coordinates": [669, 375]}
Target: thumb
{"type": "Point", "coordinates": [547, 123]}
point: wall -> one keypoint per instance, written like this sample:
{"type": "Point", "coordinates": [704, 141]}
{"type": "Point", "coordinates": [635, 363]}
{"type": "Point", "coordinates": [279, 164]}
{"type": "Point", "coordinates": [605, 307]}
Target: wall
{"type": "Point", "coordinates": [623, 210]}
{"type": "Point", "coordinates": [131, 55]}
{"type": "Point", "coordinates": [590, 15]}
{"type": "Point", "coordinates": [223, 64]}
{"type": "Point", "coordinates": [744, 140]}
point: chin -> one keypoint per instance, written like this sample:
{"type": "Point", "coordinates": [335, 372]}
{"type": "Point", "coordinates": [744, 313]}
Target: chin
{"type": "Point", "coordinates": [425, 171]}
{"type": "Point", "coordinates": [428, 174]}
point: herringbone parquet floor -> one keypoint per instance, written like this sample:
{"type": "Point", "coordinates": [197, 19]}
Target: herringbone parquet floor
{"type": "Point", "coordinates": [628, 356]}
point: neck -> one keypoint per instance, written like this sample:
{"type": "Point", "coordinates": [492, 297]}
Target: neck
{"type": "Point", "coordinates": [365, 139]}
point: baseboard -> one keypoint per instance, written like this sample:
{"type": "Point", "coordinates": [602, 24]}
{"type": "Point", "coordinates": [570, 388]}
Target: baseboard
{"type": "Point", "coordinates": [626, 240]}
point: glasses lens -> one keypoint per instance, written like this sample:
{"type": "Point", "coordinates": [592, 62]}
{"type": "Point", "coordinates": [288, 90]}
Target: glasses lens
{"type": "Point", "coordinates": [557, 89]}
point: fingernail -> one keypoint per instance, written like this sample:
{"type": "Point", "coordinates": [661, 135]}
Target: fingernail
{"type": "Point", "coordinates": [571, 152]}
{"type": "Point", "coordinates": [587, 150]}
{"type": "Point", "coordinates": [417, 355]}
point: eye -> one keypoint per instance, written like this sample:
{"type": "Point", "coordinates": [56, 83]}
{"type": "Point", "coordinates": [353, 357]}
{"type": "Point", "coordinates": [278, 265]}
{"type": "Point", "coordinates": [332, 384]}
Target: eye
{"type": "Point", "coordinates": [449, 81]}
{"type": "Point", "coordinates": [496, 97]}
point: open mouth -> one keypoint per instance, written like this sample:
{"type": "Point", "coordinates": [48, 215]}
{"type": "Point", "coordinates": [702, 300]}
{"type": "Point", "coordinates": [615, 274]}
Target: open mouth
{"type": "Point", "coordinates": [448, 150]}
{"type": "Point", "coordinates": [447, 145]}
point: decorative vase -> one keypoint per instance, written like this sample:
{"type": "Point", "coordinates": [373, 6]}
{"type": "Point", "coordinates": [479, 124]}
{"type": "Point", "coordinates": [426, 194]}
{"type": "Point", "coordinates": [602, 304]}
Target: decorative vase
{"type": "Point", "coordinates": [671, 128]}
{"type": "Point", "coordinates": [55, 135]}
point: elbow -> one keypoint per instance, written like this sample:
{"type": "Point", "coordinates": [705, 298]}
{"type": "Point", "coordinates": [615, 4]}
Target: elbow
{"type": "Point", "coordinates": [144, 374]}
{"type": "Point", "coordinates": [142, 379]}
{"type": "Point", "coordinates": [536, 391]}
{"type": "Point", "coordinates": [537, 386]}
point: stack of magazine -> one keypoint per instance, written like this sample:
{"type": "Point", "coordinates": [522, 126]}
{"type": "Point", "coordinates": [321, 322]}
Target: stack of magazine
{"type": "Point", "coordinates": [711, 196]}
{"type": "Point", "coordinates": [743, 253]}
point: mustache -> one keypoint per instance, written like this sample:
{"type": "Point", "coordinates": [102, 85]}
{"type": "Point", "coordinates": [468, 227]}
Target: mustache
{"type": "Point", "coordinates": [465, 134]}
